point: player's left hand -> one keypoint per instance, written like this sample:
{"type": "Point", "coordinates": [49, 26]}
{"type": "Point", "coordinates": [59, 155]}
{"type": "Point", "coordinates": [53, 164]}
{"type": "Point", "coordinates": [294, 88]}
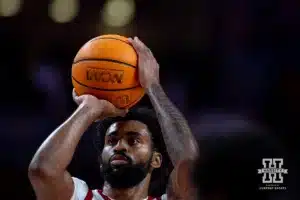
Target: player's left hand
{"type": "Point", "coordinates": [147, 64]}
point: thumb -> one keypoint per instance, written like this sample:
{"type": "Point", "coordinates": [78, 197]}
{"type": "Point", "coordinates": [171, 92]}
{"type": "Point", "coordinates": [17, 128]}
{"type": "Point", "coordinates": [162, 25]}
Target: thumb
{"type": "Point", "coordinates": [76, 98]}
{"type": "Point", "coordinates": [121, 112]}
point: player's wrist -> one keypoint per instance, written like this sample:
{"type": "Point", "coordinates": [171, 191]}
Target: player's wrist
{"type": "Point", "coordinates": [93, 113]}
{"type": "Point", "coordinates": [152, 87]}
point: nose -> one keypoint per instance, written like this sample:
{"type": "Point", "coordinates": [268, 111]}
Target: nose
{"type": "Point", "coordinates": [121, 146]}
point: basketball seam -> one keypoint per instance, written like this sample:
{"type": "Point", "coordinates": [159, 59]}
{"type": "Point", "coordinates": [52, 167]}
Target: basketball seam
{"type": "Point", "coordinates": [102, 59]}
{"type": "Point", "coordinates": [110, 38]}
{"type": "Point", "coordinates": [103, 89]}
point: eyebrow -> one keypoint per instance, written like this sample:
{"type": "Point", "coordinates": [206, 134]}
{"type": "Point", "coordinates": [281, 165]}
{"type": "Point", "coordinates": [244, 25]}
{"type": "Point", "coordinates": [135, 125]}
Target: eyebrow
{"type": "Point", "coordinates": [130, 133]}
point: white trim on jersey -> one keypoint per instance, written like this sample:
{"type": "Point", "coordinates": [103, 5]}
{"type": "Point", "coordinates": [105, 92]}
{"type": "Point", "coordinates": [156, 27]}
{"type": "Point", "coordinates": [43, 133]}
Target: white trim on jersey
{"type": "Point", "coordinates": [96, 195]}
{"type": "Point", "coordinates": [164, 197]}
{"type": "Point", "coordinates": [80, 189]}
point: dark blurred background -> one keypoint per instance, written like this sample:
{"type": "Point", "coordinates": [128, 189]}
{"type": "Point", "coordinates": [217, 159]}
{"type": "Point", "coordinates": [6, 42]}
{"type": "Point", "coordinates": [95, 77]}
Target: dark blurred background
{"type": "Point", "coordinates": [229, 62]}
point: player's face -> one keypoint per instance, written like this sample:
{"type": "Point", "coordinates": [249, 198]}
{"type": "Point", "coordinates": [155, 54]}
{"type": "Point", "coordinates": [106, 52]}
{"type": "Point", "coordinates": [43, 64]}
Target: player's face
{"type": "Point", "coordinates": [127, 156]}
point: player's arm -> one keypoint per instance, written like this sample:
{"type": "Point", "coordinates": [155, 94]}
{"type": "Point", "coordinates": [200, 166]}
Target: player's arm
{"type": "Point", "coordinates": [177, 135]}
{"type": "Point", "coordinates": [47, 171]}
{"type": "Point", "coordinates": [180, 142]}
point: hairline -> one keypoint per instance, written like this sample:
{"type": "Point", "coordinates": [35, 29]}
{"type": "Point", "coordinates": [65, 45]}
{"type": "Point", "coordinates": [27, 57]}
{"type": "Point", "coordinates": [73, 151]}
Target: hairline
{"type": "Point", "coordinates": [114, 121]}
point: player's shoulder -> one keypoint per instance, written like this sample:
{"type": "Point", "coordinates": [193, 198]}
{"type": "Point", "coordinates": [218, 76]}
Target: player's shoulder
{"type": "Point", "coordinates": [83, 192]}
{"type": "Point", "coordinates": [164, 197]}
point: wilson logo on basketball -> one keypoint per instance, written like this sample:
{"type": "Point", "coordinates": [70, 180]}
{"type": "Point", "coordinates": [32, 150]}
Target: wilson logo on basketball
{"type": "Point", "coordinates": [104, 75]}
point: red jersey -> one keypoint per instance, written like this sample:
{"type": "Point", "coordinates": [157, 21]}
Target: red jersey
{"type": "Point", "coordinates": [82, 192]}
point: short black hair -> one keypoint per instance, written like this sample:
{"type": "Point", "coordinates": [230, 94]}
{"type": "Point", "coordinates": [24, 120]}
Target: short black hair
{"type": "Point", "coordinates": [147, 116]}
{"type": "Point", "coordinates": [228, 165]}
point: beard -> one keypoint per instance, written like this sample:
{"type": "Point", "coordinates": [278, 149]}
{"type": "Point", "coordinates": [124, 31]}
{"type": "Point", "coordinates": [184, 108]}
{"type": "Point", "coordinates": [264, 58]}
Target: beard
{"type": "Point", "coordinates": [125, 176]}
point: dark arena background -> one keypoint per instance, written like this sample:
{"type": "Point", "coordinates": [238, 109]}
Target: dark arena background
{"type": "Point", "coordinates": [223, 63]}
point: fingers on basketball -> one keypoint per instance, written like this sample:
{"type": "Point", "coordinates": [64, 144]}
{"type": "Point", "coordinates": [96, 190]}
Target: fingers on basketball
{"type": "Point", "coordinates": [122, 112]}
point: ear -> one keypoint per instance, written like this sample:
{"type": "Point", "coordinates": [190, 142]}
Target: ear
{"type": "Point", "coordinates": [156, 160]}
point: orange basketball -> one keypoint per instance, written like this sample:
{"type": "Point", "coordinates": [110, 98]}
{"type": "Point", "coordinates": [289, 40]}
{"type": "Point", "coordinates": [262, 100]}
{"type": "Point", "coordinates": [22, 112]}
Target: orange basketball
{"type": "Point", "coordinates": [106, 67]}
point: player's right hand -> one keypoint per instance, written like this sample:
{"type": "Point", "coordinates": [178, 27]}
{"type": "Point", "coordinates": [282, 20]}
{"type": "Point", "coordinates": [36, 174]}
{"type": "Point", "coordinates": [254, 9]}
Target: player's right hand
{"type": "Point", "coordinates": [100, 108]}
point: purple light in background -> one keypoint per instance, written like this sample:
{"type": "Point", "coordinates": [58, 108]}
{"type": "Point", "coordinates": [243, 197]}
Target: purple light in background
{"type": "Point", "coordinates": [221, 124]}
{"type": "Point", "coordinates": [47, 79]}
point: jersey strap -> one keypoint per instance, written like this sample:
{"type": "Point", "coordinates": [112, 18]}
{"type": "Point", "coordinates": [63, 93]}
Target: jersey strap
{"type": "Point", "coordinates": [107, 198]}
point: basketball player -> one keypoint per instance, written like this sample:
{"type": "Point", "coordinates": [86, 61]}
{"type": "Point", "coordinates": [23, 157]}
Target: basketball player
{"type": "Point", "coordinates": [129, 155]}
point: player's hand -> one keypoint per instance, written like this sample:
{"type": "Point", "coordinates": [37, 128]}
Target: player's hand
{"type": "Point", "coordinates": [148, 66]}
{"type": "Point", "coordinates": [100, 108]}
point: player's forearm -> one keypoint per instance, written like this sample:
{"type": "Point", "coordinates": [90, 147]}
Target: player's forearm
{"type": "Point", "coordinates": [56, 152]}
{"type": "Point", "coordinates": [178, 137]}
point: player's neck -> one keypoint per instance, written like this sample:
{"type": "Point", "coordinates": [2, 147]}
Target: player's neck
{"type": "Point", "coordinates": [138, 192]}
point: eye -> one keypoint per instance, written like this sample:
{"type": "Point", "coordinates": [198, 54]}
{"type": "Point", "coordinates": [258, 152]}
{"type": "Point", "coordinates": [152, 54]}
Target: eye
{"type": "Point", "coordinates": [133, 141]}
{"type": "Point", "coordinates": [112, 140]}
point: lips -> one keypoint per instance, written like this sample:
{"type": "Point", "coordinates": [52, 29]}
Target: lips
{"type": "Point", "coordinates": [119, 160]}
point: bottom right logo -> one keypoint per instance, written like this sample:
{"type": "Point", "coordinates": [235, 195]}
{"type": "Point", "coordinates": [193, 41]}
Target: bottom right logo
{"type": "Point", "coordinates": [272, 174]}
